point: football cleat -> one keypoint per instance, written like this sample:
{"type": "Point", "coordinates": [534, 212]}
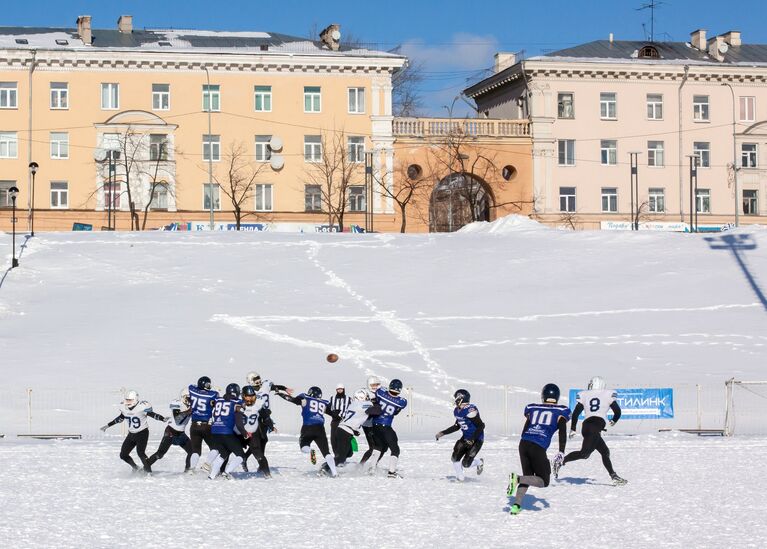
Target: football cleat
{"type": "Point", "coordinates": [511, 490]}
{"type": "Point", "coordinates": [313, 457]}
{"type": "Point", "coordinates": [226, 476]}
{"type": "Point", "coordinates": [205, 467]}
{"type": "Point", "coordinates": [480, 466]}
{"type": "Point", "coordinates": [393, 474]}
{"type": "Point", "coordinates": [515, 509]}
{"type": "Point", "coordinates": [618, 481]}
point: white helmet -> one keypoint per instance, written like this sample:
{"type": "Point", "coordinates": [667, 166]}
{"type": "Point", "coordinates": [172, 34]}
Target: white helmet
{"type": "Point", "coordinates": [596, 383]}
{"type": "Point", "coordinates": [131, 399]}
{"type": "Point", "coordinates": [254, 380]}
{"type": "Point", "coordinates": [373, 380]}
{"type": "Point", "coordinates": [361, 394]}
{"type": "Point", "coordinates": [184, 399]}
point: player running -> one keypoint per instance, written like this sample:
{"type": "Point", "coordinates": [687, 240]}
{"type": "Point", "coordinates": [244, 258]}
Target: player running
{"type": "Point", "coordinates": [472, 429]}
{"type": "Point", "coordinates": [135, 413]}
{"type": "Point", "coordinates": [174, 432]}
{"type": "Point", "coordinates": [201, 398]}
{"type": "Point", "coordinates": [226, 416]}
{"type": "Point", "coordinates": [384, 436]}
{"type": "Point", "coordinates": [543, 420]}
{"type": "Point", "coordinates": [253, 421]}
{"type": "Point", "coordinates": [596, 402]}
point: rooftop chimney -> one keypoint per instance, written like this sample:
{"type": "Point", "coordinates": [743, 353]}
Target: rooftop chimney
{"type": "Point", "coordinates": [698, 39]}
{"type": "Point", "coordinates": [611, 38]}
{"type": "Point", "coordinates": [84, 29]}
{"type": "Point", "coordinates": [125, 24]}
{"type": "Point", "coordinates": [717, 48]}
{"type": "Point", "coordinates": [331, 36]}
{"type": "Point", "coordinates": [732, 38]}
{"type": "Point", "coordinates": [503, 60]}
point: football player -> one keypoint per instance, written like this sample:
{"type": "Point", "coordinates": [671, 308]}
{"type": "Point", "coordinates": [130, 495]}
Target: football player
{"type": "Point", "coordinates": [373, 385]}
{"type": "Point", "coordinates": [472, 429]}
{"type": "Point", "coordinates": [596, 402]}
{"type": "Point", "coordinates": [201, 397]}
{"type": "Point", "coordinates": [266, 424]}
{"type": "Point", "coordinates": [384, 435]}
{"type": "Point", "coordinates": [358, 412]}
{"type": "Point", "coordinates": [135, 413]}
{"type": "Point", "coordinates": [253, 418]}
{"type": "Point", "coordinates": [541, 422]}
{"type": "Point", "coordinates": [226, 416]}
{"type": "Point", "coordinates": [174, 432]}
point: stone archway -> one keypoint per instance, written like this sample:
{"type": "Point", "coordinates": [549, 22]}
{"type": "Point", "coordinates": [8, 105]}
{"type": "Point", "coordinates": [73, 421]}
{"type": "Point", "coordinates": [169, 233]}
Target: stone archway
{"type": "Point", "coordinates": [457, 200]}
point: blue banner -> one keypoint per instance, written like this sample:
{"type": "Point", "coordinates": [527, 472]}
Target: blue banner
{"type": "Point", "coordinates": [640, 403]}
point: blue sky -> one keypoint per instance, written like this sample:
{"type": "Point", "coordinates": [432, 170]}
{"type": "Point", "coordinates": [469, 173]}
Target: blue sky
{"type": "Point", "coordinates": [455, 40]}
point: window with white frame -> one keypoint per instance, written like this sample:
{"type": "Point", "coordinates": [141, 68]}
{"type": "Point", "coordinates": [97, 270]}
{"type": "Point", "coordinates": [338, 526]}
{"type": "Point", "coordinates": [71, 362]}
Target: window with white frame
{"type": "Point", "coordinates": [357, 198]}
{"type": "Point", "coordinates": [748, 156]}
{"type": "Point", "coordinates": [609, 152]}
{"type": "Point", "coordinates": [9, 95]}
{"type": "Point", "coordinates": [211, 147]}
{"type": "Point", "coordinates": [59, 195]}
{"type": "Point", "coordinates": [655, 156]}
{"type": "Point", "coordinates": [211, 97]}
{"type": "Point", "coordinates": [703, 201]}
{"type": "Point", "coordinates": [160, 97]}
{"type": "Point", "coordinates": [703, 150]}
{"type": "Point", "coordinates": [356, 147]}
{"type": "Point", "coordinates": [356, 100]}
{"type": "Point", "coordinates": [656, 202]}
{"type": "Point", "coordinates": [264, 197]}
{"type": "Point", "coordinates": [110, 96]}
{"type": "Point", "coordinates": [566, 199]}
{"type": "Point", "coordinates": [312, 98]}
{"type": "Point", "coordinates": [5, 195]}
{"type": "Point", "coordinates": [59, 95]}
{"type": "Point", "coordinates": [158, 146]}
{"type": "Point", "coordinates": [747, 109]}
{"type": "Point", "coordinates": [566, 149]}
{"type": "Point", "coordinates": [211, 190]}
{"type": "Point", "coordinates": [263, 150]}
{"type": "Point", "coordinates": [750, 203]}
{"type": "Point", "coordinates": [59, 145]}
{"type": "Point", "coordinates": [312, 148]}
{"type": "Point", "coordinates": [160, 197]}
{"type": "Point", "coordinates": [609, 199]}
{"type": "Point", "coordinates": [313, 198]}
{"type": "Point", "coordinates": [566, 105]}
{"type": "Point", "coordinates": [654, 106]}
{"type": "Point", "coordinates": [262, 98]}
{"type": "Point", "coordinates": [608, 106]}
{"type": "Point", "coordinates": [700, 108]}
{"type": "Point", "coordinates": [9, 145]}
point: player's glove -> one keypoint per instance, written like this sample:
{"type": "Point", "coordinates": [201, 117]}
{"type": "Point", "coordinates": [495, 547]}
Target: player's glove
{"type": "Point", "coordinates": [439, 435]}
{"type": "Point", "coordinates": [612, 422]}
{"type": "Point", "coordinates": [104, 428]}
{"type": "Point", "coordinates": [559, 458]}
{"type": "Point", "coordinates": [572, 434]}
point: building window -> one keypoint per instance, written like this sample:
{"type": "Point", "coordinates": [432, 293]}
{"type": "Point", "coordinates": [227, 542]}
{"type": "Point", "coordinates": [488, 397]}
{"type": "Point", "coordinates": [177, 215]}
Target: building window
{"type": "Point", "coordinates": [5, 196]}
{"type": "Point", "coordinates": [112, 193]}
{"type": "Point", "coordinates": [748, 155]}
{"type": "Point", "coordinates": [59, 95]}
{"type": "Point", "coordinates": [313, 198]}
{"type": "Point", "coordinates": [609, 199]}
{"type": "Point", "coordinates": [655, 154]}
{"type": "Point", "coordinates": [654, 106]}
{"type": "Point", "coordinates": [8, 95]}
{"type": "Point", "coordinates": [59, 195]}
{"type": "Point", "coordinates": [609, 152]}
{"type": "Point", "coordinates": [59, 145]}
{"type": "Point", "coordinates": [356, 100]}
{"type": "Point", "coordinates": [356, 146]}
{"type": "Point", "coordinates": [357, 198]}
{"type": "Point", "coordinates": [263, 197]}
{"type": "Point", "coordinates": [747, 109]}
{"type": "Point", "coordinates": [110, 96]}
{"type": "Point", "coordinates": [703, 150]}
{"type": "Point", "coordinates": [565, 105]}
{"type": "Point", "coordinates": [263, 98]}
{"type": "Point", "coordinates": [211, 97]}
{"type": "Point", "coordinates": [700, 108]}
{"type": "Point", "coordinates": [312, 99]}
{"type": "Point", "coordinates": [608, 106]}
{"type": "Point", "coordinates": [211, 147]}
{"type": "Point", "coordinates": [750, 204]}
{"type": "Point", "coordinates": [9, 145]}
{"type": "Point", "coordinates": [160, 97]}
{"type": "Point", "coordinates": [160, 197]}
{"type": "Point", "coordinates": [312, 148]}
{"type": "Point", "coordinates": [158, 146]}
{"type": "Point", "coordinates": [703, 201]}
{"type": "Point", "coordinates": [566, 199]}
{"type": "Point", "coordinates": [209, 189]}
{"type": "Point", "coordinates": [657, 201]}
{"type": "Point", "coordinates": [566, 149]}
{"type": "Point", "coordinates": [649, 52]}
{"type": "Point", "coordinates": [263, 150]}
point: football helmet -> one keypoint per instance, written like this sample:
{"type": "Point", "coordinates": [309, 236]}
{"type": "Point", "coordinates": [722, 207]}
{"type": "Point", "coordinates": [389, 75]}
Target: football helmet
{"type": "Point", "coordinates": [249, 394]}
{"type": "Point", "coordinates": [361, 394]}
{"type": "Point", "coordinates": [204, 383]}
{"type": "Point", "coordinates": [461, 396]}
{"type": "Point", "coordinates": [184, 399]}
{"type": "Point", "coordinates": [131, 399]}
{"type": "Point", "coordinates": [254, 380]}
{"type": "Point", "coordinates": [395, 387]}
{"type": "Point", "coordinates": [596, 383]}
{"type": "Point", "coordinates": [232, 390]}
{"type": "Point", "coordinates": [314, 392]}
{"type": "Point", "coordinates": [550, 393]}
{"type": "Point", "coordinates": [373, 383]}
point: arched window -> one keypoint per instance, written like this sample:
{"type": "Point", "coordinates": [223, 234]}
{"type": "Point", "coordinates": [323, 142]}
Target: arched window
{"type": "Point", "coordinates": [649, 52]}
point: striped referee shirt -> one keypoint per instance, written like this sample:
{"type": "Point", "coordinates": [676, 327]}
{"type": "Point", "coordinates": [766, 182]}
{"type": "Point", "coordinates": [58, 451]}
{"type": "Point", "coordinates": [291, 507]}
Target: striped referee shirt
{"type": "Point", "coordinates": [339, 403]}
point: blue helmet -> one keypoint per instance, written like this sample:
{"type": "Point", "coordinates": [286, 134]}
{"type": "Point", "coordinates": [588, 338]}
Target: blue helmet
{"type": "Point", "coordinates": [550, 393]}
{"type": "Point", "coordinates": [395, 386]}
{"type": "Point", "coordinates": [248, 391]}
{"type": "Point", "coordinates": [314, 392]}
{"type": "Point", "coordinates": [232, 390]}
{"type": "Point", "coordinates": [461, 396]}
{"type": "Point", "coordinates": [203, 383]}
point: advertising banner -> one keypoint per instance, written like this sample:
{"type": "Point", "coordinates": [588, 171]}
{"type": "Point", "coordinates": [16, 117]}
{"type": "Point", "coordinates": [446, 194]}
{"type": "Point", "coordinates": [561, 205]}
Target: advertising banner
{"type": "Point", "coordinates": [640, 403]}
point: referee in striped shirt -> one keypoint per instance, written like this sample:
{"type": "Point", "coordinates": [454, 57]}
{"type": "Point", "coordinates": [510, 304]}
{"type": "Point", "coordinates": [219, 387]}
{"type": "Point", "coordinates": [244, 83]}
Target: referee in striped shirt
{"type": "Point", "coordinates": [338, 404]}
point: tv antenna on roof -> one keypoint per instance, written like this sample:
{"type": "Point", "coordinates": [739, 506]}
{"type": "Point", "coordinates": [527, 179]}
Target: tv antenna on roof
{"type": "Point", "coordinates": [652, 5]}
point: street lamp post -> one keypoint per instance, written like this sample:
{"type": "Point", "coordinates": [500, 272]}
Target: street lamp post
{"type": "Point", "coordinates": [210, 149]}
{"type": "Point", "coordinates": [734, 157]}
{"type": "Point", "coordinates": [13, 193]}
{"type": "Point", "coordinates": [32, 170]}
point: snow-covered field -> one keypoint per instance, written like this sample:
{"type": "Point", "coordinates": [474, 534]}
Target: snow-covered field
{"type": "Point", "coordinates": [499, 309]}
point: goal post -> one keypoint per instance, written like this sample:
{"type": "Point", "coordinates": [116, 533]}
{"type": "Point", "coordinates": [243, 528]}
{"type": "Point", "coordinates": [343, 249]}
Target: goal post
{"type": "Point", "coordinates": [745, 405]}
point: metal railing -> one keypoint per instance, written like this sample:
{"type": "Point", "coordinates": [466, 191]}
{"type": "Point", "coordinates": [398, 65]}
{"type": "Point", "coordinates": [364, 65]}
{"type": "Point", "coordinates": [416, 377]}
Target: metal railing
{"type": "Point", "coordinates": [471, 127]}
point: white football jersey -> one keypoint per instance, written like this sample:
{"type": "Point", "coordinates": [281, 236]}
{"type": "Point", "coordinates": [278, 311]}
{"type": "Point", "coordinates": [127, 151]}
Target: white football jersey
{"type": "Point", "coordinates": [597, 403]}
{"type": "Point", "coordinates": [173, 422]}
{"type": "Point", "coordinates": [136, 417]}
{"type": "Point", "coordinates": [263, 393]}
{"type": "Point", "coordinates": [250, 414]}
{"type": "Point", "coordinates": [355, 415]}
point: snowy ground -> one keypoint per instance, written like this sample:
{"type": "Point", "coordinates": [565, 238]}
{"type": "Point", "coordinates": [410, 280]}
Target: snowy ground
{"type": "Point", "coordinates": [684, 491]}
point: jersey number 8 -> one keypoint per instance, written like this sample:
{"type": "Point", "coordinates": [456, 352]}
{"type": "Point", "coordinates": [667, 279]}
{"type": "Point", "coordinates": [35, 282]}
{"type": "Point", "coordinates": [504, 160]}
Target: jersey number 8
{"type": "Point", "coordinates": [594, 404]}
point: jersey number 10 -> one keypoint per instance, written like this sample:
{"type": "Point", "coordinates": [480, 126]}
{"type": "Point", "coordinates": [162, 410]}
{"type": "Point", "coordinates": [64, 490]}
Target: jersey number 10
{"type": "Point", "coordinates": [541, 418]}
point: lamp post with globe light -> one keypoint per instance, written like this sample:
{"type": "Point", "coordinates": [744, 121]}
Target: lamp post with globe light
{"type": "Point", "coordinates": [13, 192]}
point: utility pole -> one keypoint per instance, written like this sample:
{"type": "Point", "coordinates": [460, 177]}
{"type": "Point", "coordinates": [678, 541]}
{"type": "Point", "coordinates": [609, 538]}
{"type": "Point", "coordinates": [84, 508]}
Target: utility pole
{"type": "Point", "coordinates": [210, 148]}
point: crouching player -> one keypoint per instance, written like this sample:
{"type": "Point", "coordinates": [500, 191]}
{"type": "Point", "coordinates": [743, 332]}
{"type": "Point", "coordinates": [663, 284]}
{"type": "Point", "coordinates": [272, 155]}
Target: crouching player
{"type": "Point", "coordinates": [543, 420]}
{"type": "Point", "coordinates": [472, 429]}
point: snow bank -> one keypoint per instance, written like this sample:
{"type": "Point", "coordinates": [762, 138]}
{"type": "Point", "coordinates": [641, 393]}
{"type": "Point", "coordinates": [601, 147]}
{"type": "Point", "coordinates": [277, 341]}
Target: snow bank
{"type": "Point", "coordinates": [507, 224]}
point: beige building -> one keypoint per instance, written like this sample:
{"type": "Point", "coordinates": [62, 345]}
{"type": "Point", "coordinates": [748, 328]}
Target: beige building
{"type": "Point", "coordinates": [593, 105]}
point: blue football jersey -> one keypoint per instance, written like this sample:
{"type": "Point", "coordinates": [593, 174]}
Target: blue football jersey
{"type": "Point", "coordinates": [464, 421]}
{"type": "Point", "coordinates": [390, 406]}
{"type": "Point", "coordinates": [201, 403]}
{"type": "Point", "coordinates": [313, 410]}
{"type": "Point", "coordinates": [223, 416]}
{"type": "Point", "coordinates": [543, 422]}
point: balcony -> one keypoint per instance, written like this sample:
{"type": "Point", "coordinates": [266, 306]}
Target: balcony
{"type": "Point", "coordinates": [472, 127]}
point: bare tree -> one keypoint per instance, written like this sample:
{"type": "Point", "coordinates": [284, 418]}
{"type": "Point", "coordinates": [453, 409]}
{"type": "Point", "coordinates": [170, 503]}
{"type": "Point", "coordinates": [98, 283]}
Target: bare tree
{"type": "Point", "coordinates": [159, 176]}
{"type": "Point", "coordinates": [569, 219]}
{"type": "Point", "coordinates": [239, 181]}
{"type": "Point", "coordinates": [410, 188]}
{"type": "Point", "coordinates": [406, 88]}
